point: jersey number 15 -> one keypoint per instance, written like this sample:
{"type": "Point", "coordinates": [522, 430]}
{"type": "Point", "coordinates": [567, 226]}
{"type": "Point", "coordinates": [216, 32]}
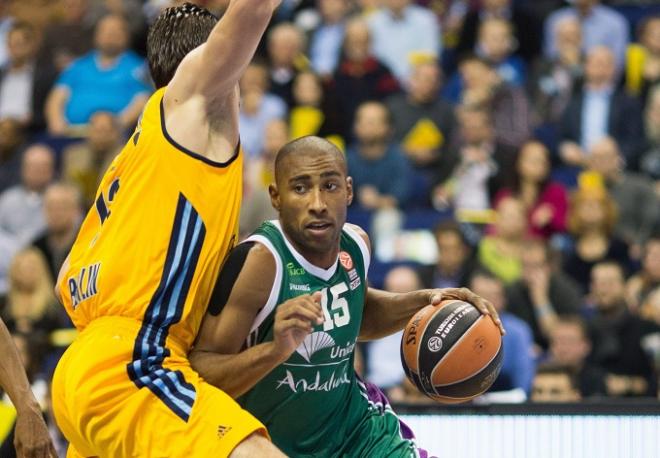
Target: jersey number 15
{"type": "Point", "coordinates": [341, 315]}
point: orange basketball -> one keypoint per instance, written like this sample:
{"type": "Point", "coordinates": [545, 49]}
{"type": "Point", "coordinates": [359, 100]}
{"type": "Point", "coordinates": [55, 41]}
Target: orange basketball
{"type": "Point", "coordinates": [451, 352]}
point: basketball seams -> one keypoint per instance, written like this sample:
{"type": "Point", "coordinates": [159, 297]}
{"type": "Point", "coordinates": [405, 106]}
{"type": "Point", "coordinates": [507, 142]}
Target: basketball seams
{"type": "Point", "coordinates": [447, 310]}
{"type": "Point", "coordinates": [438, 332]}
{"type": "Point", "coordinates": [421, 342]}
{"type": "Point", "coordinates": [453, 347]}
{"type": "Point", "coordinates": [486, 370]}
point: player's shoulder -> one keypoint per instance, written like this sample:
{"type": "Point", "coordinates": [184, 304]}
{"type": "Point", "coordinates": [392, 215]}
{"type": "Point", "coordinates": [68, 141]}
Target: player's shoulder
{"type": "Point", "coordinates": [246, 277]}
{"type": "Point", "coordinates": [359, 232]}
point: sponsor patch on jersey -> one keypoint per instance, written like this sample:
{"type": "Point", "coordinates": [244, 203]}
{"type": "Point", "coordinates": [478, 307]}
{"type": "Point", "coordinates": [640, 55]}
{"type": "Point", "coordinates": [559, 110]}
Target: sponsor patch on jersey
{"type": "Point", "coordinates": [355, 284]}
{"type": "Point", "coordinates": [297, 287]}
{"type": "Point", "coordinates": [346, 260]}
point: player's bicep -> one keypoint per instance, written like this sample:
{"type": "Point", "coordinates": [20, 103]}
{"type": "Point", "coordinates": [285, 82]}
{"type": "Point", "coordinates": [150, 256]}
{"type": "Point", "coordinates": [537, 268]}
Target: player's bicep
{"type": "Point", "coordinates": [242, 289]}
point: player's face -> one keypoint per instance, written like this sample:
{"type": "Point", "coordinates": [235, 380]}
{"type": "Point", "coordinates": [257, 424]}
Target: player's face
{"type": "Point", "coordinates": [312, 195]}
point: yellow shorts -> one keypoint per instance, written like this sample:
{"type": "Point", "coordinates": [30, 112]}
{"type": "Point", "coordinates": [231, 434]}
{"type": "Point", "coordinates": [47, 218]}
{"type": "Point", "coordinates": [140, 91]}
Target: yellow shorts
{"type": "Point", "coordinates": [102, 412]}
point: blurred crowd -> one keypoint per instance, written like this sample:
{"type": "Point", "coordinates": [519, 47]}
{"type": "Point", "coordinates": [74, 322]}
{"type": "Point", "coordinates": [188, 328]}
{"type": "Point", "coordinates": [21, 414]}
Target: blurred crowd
{"type": "Point", "coordinates": [512, 146]}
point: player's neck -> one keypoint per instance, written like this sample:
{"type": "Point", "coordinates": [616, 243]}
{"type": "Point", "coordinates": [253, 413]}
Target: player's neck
{"type": "Point", "coordinates": [322, 260]}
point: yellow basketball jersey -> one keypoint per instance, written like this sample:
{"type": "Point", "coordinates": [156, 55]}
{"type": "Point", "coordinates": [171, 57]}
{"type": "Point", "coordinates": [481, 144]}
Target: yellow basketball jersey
{"type": "Point", "coordinates": [151, 246]}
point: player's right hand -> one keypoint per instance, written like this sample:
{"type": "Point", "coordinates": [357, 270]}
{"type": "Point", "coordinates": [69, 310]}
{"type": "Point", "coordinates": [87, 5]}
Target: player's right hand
{"type": "Point", "coordinates": [294, 320]}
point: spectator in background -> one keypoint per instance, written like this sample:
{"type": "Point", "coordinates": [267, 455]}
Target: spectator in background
{"type": "Point", "coordinates": [385, 370]}
{"type": "Point", "coordinates": [570, 345]}
{"type": "Point", "coordinates": [643, 58]}
{"type": "Point", "coordinates": [635, 198]}
{"type": "Point", "coordinates": [30, 307]}
{"type": "Point", "coordinates": [650, 310]}
{"type": "Point", "coordinates": [555, 383]}
{"type": "Point", "coordinates": [21, 207]}
{"type": "Point", "coordinates": [63, 214]}
{"type": "Point", "coordinates": [380, 170]}
{"type": "Point", "coordinates": [649, 162]}
{"type": "Point", "coordinates": [110, 78]}
{"type": "Point", "coordinates": [360, 76]}
{"type": "Point", "coordinates": [258, 108]}
{"type": "Point", "coordinates": [24, 85]}
{"type": "Point", "coordinates": [327, 38]}
{"type": "Point", "coordinates": [423, 123]}
{"type": "Point", "coordinates": [508, 105]}
{"type": "Point", "coordinates": [518, 357]}
{"type": "Point", "coordinates": [496, 44]}
{"type": "Point", "coordinates": [84, 164]}
{"type": "Point", "coordinates": [617, 335]}
{"type": "Point", "coordinates": [5, 24]}
{"type": "Point", "coordinates": [553, 79]}
{"type": "Point", "coordinates": [313, 112]}
{"type": "Point", "coordinates": [542, 293]}
{"type": "Point", "coordinates": [259, 174]}
{"type": "Point", "coordinates": [600, 109]}
{"type": "Point", "coordinates": [500, 252]}
{"type": "Point", "coordinates": [527, 30]}
{"type": "Point", "coordinates": [545, 201]}
{"type": "Point", "coordinates": [476, 167]}
{"type": "Point", "coordinates": [601, 26]}
{"type": "Point", "coordinates": [69, 39]}
{"type": "Point", "coordinates": [644, 282]}
{"type": "Point", "coordinates": [12, 136]}
{"type": "Point", "coordinates": [286, 47]}
{"type": "Point", "coordinates": [456, 260]}
{"type": "Point", "coordinates": [403, 31]}
{"type": "Point", "coordinates": [592, 218]}
{"type": "Point", "coordinates": [129, 9]}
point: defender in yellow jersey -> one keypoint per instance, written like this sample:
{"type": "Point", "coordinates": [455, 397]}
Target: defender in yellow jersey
{"type": "Point", "coordinates": [140, 274]}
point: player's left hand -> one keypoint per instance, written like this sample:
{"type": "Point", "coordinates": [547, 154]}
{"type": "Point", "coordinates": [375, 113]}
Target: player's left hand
{"type": "Point", "coordinates": [464, 294]}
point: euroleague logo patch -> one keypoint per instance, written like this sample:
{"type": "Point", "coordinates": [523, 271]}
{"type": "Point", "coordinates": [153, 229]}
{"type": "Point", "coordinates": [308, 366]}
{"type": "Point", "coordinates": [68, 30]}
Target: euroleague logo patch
{"type": "Point", "coordinates": [346, 260]}
{"type": "Point", "coordinates": [435, 344]}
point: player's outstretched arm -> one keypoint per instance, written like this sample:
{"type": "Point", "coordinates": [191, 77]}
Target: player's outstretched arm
{"type": "Point", "coordinates": [31, 436]}
{"type": "Point", "coordinates": [386, 313]}
{"type": "Point", "coordinates": [243, 289]}
{"type": "Point", "coordinates": [214, 68]}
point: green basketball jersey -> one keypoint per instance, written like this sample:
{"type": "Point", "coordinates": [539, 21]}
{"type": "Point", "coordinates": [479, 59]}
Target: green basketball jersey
{"type": "Point", "coordinates": [314, 404]}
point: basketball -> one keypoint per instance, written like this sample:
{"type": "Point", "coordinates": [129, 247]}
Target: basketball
{"type": "Point", "coordinates": [451, 352]}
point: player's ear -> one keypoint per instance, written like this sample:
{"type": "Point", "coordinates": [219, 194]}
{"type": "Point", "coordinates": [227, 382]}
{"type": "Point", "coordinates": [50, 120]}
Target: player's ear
{"type": "Point", "coordinates": [274, 196]}
{"type": "Point", "coordinates": [349, 190]}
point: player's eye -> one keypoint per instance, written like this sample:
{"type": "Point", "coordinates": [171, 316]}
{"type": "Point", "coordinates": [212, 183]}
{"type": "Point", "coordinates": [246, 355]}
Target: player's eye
{"type": "Point", "coordinates": [331, 186]}
{"type": "Point", "coordinates": [300, 188]}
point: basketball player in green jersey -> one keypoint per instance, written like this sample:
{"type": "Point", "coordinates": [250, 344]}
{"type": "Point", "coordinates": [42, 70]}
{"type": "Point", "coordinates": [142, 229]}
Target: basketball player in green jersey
{"type": "Point", "coordinates": [289, 306]}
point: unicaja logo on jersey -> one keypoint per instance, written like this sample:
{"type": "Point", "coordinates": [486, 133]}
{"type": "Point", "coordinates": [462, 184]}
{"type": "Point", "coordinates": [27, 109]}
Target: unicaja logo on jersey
{"type": "Point", "coordinates": [314, 342]}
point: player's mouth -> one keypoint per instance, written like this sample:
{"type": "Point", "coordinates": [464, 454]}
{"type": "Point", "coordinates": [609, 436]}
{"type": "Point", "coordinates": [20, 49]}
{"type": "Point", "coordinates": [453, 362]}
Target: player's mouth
{"type": "Point", "coordinates": [318, 227]}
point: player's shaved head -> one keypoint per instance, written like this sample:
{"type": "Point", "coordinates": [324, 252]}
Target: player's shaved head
{"type": "Point", "coordinates": [309, 145]}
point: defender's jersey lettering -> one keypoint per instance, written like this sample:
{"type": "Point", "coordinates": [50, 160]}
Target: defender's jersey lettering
{"type": "Point", "coordinates": [103, 203]}
{"type": "Point", "coordinates": [84, 285]}
{"type": "Point", "coordinates": [165, 310]}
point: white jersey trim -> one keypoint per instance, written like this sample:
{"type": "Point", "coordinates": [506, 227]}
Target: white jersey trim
{"type": "Point", "coordinates": [323, 274]}
{"type": "Point", "coordinates": [362, 244]}
{"type": "Point", "coordinates": [275, 290]}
